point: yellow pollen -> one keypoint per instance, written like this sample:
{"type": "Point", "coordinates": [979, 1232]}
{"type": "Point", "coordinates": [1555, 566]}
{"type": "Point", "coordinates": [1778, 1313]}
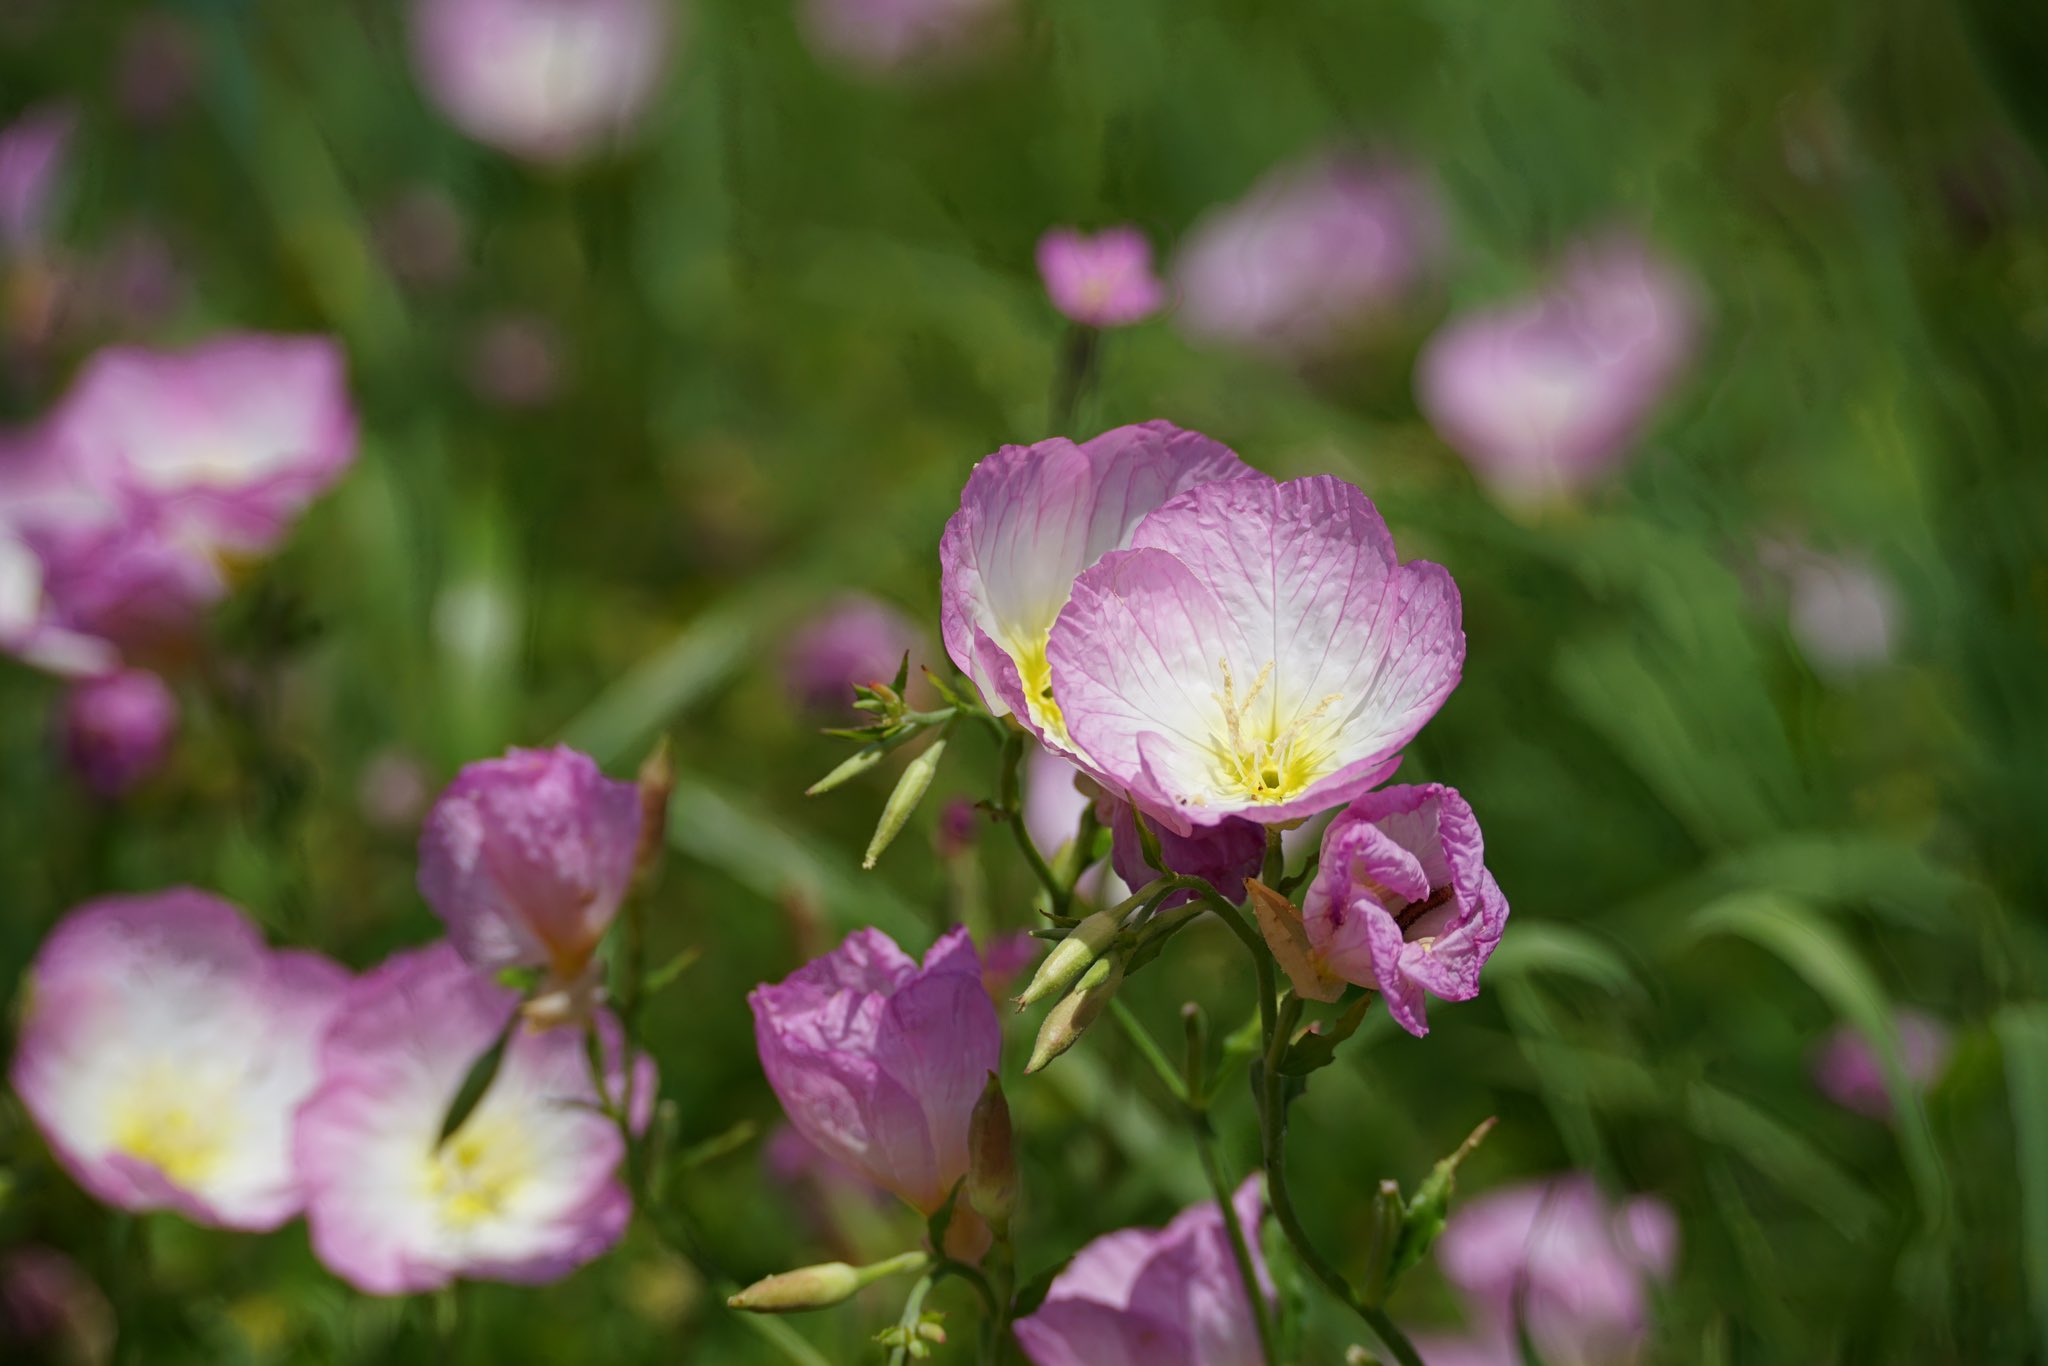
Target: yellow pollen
{"type": "Point", "coordinates": [163, 1121]}
{"type": "Point", "coordinates": [1261, 759]}
{"type": "Point", "coordinates": [474, 1175]}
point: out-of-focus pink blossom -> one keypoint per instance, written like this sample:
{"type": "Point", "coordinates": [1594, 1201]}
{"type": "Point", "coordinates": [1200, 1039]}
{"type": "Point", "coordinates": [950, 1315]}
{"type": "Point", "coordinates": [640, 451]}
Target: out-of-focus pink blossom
{"type": "Point", "coordinates": [1004, 959]}
{"type": "Point", "coordinates": [1846, 1069]}
{"type": "Point", "coordinates": [117, 729]}
{"type": "Point", "coordinates": [32, 155]}
{"type": "Point", "coordinates": [515, 361]}
{"type": "Point", "coordinates": [165, 1051]}
{"type": "Point", "coordinates": [1260, 651]}
{"type": "Point", "coordinates": [1843, 611]}
{"type": "Point", "coordinates": [1549, 393]}
{"type": "Point", "coordinates": [855, 639]}
{"type": "Point", "coordinates": [1559, 1261]}
{"type": "Point", "coordinates": [525, 1189]}
{"type": "Point", "coordinates": [1101, 281]}
{"type": "Point", "coordinates": [904, 38]}
{"type": "Point", "coordinates": [392, 790]}
{"type": "Point", "coordinates": [1402, 901]}
{"type": "Point", "coordinates": [51, 1311]}
{"type": "Point", "coordinates": [158, 69]}
{"type": "Point", "coordinates": [526, 859]}
{"type": "Point", "coordinates": [1155, 1297]}
{"type": "Point", "coordinates": [422, 237]}
{"type": "Point", "coordinates": [548, 80]}
{"type": "Point", "coordinates": [1320, 253]}
{"type": "Point", "coordinates": [878, 1061]}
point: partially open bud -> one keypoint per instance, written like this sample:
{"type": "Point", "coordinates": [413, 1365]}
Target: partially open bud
{"type": "Point", "coordinates": [1071, 956]}
{"type": "Point", "coordinates": [1066, 1022]}
{"type": "Point", "coordinates": [820, 1286]}
{"type": "Point", "coordinates": [992, 1159]}
{"type": "Point", "coordinates": [656, 781]}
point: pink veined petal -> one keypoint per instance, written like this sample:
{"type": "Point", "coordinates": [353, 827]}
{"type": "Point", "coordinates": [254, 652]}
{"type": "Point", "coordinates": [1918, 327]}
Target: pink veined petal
{"type": "Point", "coordinates": [1079, 1332]}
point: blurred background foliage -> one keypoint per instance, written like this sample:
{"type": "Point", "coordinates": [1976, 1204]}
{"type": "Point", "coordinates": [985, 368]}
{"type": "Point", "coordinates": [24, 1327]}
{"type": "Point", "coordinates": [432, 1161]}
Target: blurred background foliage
{"type": "Point", "coordinates": [772, 333]}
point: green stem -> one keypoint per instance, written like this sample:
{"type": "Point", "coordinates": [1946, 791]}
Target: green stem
{"type": "Point", "coordinates": [1240, 1249]}
{"type": "Point", "coordinates": [907, 1321]}
{"type": "Point", "coordinates": [1076, 368]}
{"type": "Point", "coordinates": [1013, 816]}
{"type": "Point", "coordinates": [1149, 1049]}
{"type": "Point", "coordinates": [1273, 1142]}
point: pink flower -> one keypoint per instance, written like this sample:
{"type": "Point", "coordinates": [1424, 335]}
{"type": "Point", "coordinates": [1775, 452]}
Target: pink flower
{"type": "Point", "coordinates": [1259, 651]}
{"type": "Point", "coordinates": [117, 729]}
{"type": "Point", "coordinates": [1561, 1261]}
{"type": "Point", "coordinates": [1100, 281]}
{"type": "Point", "coordinates": [897, 38]}
{"type": "Point", "coordinates": [220, 447]}
{"type": "Point", "coordinates": [526, 858]}
{"type": "Point", "coordinates": [1402, 902]}
{"type": "Point", "coordinates": [165, 1051]}
{"type": "Point", "coordinates": [1319, 253]}
{"type": "Point", "coordinates": [547, 80]}
{"type": "Point", "coordinates": [32, 155]}
{"type": "Point", "coordinates": [515, 361]}
{"type": "Point", "coordinates": [1843, 611]}
{"type": "Point", "coordinates": [1223, 855]}
{"type": "Point", "coordinates": [1154, 1297]}
{"type": "Point", "coordinates": [525, 1190]}
{"type": "Point", "coordinates": [855, 639]}
{"type": "Point", "coordinates": [1031, 519]}
{"type": "Point", "coordinates": [1549, 393]}
{"type": "Point", "coordinates": [1849, 1074]}
{"type": "Point", "coordinates": [878, 1062]}
{"type": "Point", "coordinates": [50, 1310]}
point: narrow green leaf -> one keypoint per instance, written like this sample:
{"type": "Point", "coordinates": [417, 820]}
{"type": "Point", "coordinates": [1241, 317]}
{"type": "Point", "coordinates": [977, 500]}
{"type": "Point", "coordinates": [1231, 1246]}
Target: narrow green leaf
{"type": "Point", "coordinates": [2023, 1034]}
{"type": "Point", "coordinates": [1563, 950]}
{"type": "Point", "coordinates": [482, 1073]}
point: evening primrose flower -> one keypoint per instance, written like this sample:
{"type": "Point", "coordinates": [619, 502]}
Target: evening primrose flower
{"type": "Point", "coordinates": [1031, 519]}
{"type": "Point", "coordinates": [1560, 1262]}
{"type": "Point", "coordinates": [164, 1051]}
{"type": "Point", "coordinates": [1402, 901]}
{"type": "Point", "coordinates": [525, 1189]}
{"type": "Point", "coordinates": [117, 729]}
{"type": "Point", "coordinates": [1101, 281]}
{"type": "Point", "coordinates": [527, 858]}
{"type": "Point", "coordinates": [878, 1061]}
{"type": "Point", "coordinates": [1848, 1072]}
{"type": "Point", "coordinates": [547, 80]}
{"type": "Point", "coordinates": [1259, 651]}
{"type": "Point", "coordinates": [1155, 1297]}
{"type": "Point", "coordinates": [1549, 393]}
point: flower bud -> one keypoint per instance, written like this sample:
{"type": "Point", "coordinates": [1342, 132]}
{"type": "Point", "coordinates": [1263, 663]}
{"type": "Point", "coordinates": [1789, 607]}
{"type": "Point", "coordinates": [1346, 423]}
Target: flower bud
{"type": "Point", "coordinates": [820, 1286]}
{"type": "Point", "coordinates": [656, 781]}
{"type": "Point", "coordinates": [1072, 955]}
{"type": "Point", "coordinates": [1066, 1022]}
{"type": "Point", "coordinates": [992, 1158]}
{"type": "Point", "coordinates": [909, 791]}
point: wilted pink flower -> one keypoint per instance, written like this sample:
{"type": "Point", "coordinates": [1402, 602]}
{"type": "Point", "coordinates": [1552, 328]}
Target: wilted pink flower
{"type": "Point", "coordinates": [903, 37]}
{"type": "Point", "coordinates": [548, 80]}
{"type": "Point", "coordinates": [1848, 1073]}
{"type": "Point", "coordinates": [526, 1189]}
{"type": "Point", "coordinates": [1223, 855]}
{"type": "Point", "coordinates": [856, 639]}
{"type": "Point", "coordinates": [1259, 651]}
{"type": "Point", "coordinates": [228, 441]}
{"type": "Point", "coordinates": [1155, 1297]}
{"type": "Point", "coordinates": [32, 152]}
{"type": "Point", "coordinates": [1559, 1260]}
{"type": "Point", "coordinates": [165, 1050]}
{"type": "Point", "coordinates": [515, 361]}
{"type": "Point", "coordinates": [1402, 901]}
{"type": "Point", "coordinates": [878, 1061]}
{"type": "Point", "coordinates": [117, 729]}
{"type": "Point", "coordinates": [1031, 519]}
{"type": "Point", "coordinates": [1100, 281]}
{"type": "Point", "coordinates": [1320, 252]}
{"type": "Point", "coordinates": [526, 858]}
{"type": "Point", "coordinates": [1549, 393]}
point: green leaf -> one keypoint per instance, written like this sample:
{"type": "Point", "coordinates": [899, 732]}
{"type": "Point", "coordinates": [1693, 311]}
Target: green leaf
{"type": "Point", "coordinates": [2023, 1033]}
{"type": "Point", "coordinates": [1814, 949]}
{"type": "Point", "coordinates": [482, 1073]}
{"type": "Point", "coordinates": [1318, 1049]}
{"type": "Point", "coordinates": [1565, 950]}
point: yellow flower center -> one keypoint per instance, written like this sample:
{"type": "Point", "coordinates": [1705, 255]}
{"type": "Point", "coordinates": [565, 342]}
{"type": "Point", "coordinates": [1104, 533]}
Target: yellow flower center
{"type": "Point", "coordinates": [477, 1172]}
{"type": "Point", "coordinates": [1260, 759]}
{"type": "Point", "coordinates": [164, 1120]}
{"type": "Point", "coordinates": [1036, 670]}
